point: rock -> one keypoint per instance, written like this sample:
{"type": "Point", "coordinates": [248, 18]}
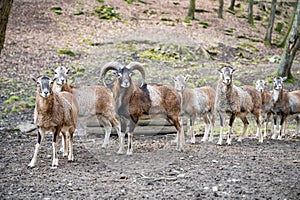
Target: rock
{"type": "Point", "coordinates": [26, 127]}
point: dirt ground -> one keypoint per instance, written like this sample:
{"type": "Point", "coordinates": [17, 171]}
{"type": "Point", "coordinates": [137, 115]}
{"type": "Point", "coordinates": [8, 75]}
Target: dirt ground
{"type": "Point", "coordinates": [246, 170]}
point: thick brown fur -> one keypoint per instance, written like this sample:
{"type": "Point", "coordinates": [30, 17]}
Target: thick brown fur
{"type": "Point", "coordinates": [236, 102]}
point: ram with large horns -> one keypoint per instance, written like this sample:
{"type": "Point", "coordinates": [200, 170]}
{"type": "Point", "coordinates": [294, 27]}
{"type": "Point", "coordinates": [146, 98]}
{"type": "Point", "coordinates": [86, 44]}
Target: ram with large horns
{"type": "Point", "coordinates": [141, 101]}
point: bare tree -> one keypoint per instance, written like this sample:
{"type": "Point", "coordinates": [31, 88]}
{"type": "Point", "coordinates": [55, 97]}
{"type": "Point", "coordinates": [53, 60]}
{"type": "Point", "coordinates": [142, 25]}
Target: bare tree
{"type": "Point", "coordinates": [220, 12]}
{"type": "Point", "coordinates": [231, 7]}
{"type": "Point", "coordinates": [250, 12]}
{"type": "Point", "coordinates": [5, 6]}
{"type": "Point", "coordinates": [192, 7]}
{"type": "Point", "coordinates": [268, 36]}
{"type": "Point", "coordinates": [291, 47]}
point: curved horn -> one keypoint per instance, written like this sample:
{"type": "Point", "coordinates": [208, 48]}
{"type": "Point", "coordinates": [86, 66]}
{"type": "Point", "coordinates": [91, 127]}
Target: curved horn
{"type": "Point", "coordinates": [137, 66]}
{"type": "Point", "coordinates": [107, 67]}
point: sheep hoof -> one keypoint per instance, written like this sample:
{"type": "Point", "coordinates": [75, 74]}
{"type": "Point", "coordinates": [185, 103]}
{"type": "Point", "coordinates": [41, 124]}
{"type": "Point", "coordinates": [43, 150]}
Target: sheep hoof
{"type": "Point", "coordinates": [219, 142]}
{"type": "Point", "coordinates": [129, 153]}
{"type": "Point", "coordinates": [71, 158]}
{"type": "Point", "coordinates": [121, 152]}
{"type": "Point", "coordinates": [204, 140]}
{"type": "Point", "coordinates": [180, 149]}
{"type": "Point", "coordinates": [65, 154]}
{"type": "Point", "coordinates": [279, 138]}
{"type": "Point", "coordinates": [30, 166]}
{"type": "Point", "coordinates": [193, 141]}
{"type": "Point", "coordinates": [211, 139]}
{"type": "Point", "coordinates": [239, 140]}
{"type": "Point", "coordinates": [273, 137]}
{"type": "Point", "coordinates": [104, 146]}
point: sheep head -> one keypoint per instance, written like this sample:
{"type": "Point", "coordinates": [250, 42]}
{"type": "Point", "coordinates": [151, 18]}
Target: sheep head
{"type": "Point", "coordinates": [44, 85]}
{"type": "Point", "coordinates": [278, 82]}
{"type": "Point", "coordinates": [122, 73]}
{"type": "Point", "coordinates": [226, 73]}
{"type": "Point", "coordinates": [180, 82]}
{"type": "Point", "coordinates": [61, 75]}
{"type": "Point", "coordinates": [260, 85]}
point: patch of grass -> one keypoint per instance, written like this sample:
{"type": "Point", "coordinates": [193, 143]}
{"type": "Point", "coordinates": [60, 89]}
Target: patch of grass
{"type": "Point", "coordinates": [165, 19]}
{"type": "Point", "coordinates": [100, 1]}
{"type": "Point", "coordinates": [12, 99]}
{"type": "Point", "coordinates": [78, 13]}
{"type": "Point", "coordinates": [129, 1]}
{"type": "Point", "coordinates": [66, 52]}
{"type": "Point", "coordinates": [176, 3]}
{"type": "Point", "coordinates": [204, 24]}
{"type": "Point", "coordinates": [57, 10]}
{"type": "Point", "coordinates": [237, 83]}
{"type": "Point", "coordinates": [106, 12]}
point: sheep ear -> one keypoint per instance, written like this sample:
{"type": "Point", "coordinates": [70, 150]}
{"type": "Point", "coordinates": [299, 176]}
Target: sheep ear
{"type": "Point", "coordinates": [33, 78]}
{"type": "Point", "coordinates": [186, 78]}
{"type": "Point", "coordinates": [284, 78]}
{"type": "Point", "coordinates": [233, 69]}
{"type": "Point", "coordinates": [69, 70]}
{"type": "Point", "coordinates": [174, 78]}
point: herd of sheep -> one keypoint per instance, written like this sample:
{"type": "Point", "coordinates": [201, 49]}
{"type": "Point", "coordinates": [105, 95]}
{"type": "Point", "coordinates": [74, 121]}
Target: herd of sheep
{"type": "Point", "coordinates": [62, 108]}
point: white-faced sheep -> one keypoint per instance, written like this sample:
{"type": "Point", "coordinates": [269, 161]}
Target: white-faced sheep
{"type": "Point", "coordinates": [286, 104]}
{"type": "Point", "coordinates": [54, 113]}
{"type": "Point", "coordinates": [267, 104]}
{"type": "Point", "coordinates": [134, 102]}
{"type": "Point", "coordinates": [92, 100]}
{"type": "Point", "coordinates": [195, 103]}
{"type": "Point", "coordinates": [236, 102]}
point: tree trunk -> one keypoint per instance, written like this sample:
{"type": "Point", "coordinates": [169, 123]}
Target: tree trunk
{"type": "Point", "coordinates": [5, 6]}
{"type": "Point", "coordinates": [250, 12]}
{"type": "Point", "coordinates": [291, 47]}
{"type": "Point", "coordinates": [191, 13]}
{"type": "Point", "coordinates": [268, 36]}
{"type": "Point", "coordinates": [288, 32]}
{"type": "Point", "coordinates": [220, 12]}
{"type": "Point", "coordinates": [231, 7]}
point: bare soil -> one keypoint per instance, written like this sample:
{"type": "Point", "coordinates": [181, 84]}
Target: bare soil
{"type": "Point", "coordinates": [246, 170]}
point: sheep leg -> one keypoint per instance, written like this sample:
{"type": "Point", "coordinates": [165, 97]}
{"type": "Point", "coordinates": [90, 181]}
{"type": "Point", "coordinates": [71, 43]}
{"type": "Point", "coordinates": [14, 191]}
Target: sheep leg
{"type": "Point", "coordinates": [54, 146]}
{"type": "Point", "coordinates": [64, 143]}
{"type": "Point", "coordinates": [221, 129]}
{"type": "Point", "coordinates": [107, 126]}
{"type": "Point", "coordinates": [284, 127]}
{"type": "Point", "coordinates": [130, 138]}
{"type": "Point", "coordinates": [266, 124]}
{"type": "Point", "coordinates": [231, 120]}
{"type": "Point", "coordinates": [246, 123]}
{"type": "Point", "coordinates": [207, 127]}
{"type": "Point", "coordinates": [122, 137]}
{"type": "Point", "coordinates": [297, 127]}
{"type": "Point", "coordinates": [192, 123]}
{"type": "Point", "coordinates": [274, 136]}
{"type": "Point", "coordinates": [281, 126]}
{"type": "Point", "coordinates": [40, 138]}
{"type": "Point", "coordinates": [71, 139]}
{"type": "Point", "coordinates": [180, 133]}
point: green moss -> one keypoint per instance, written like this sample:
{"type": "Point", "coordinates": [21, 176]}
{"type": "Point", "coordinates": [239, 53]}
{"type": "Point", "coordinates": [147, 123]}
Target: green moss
{"type": "Point", "coordinates": [12, 99]}
{"type": "Point", "coordinates": [204, 24]}
{"type": "Point", "coordinates": [66, 52]}
{"type": "Point", "coordinates": [100, 1]}
{"type": "Point", "coordinates": [106, 12]}
{"type": "Point", "coordinates": [129, 1]}
{"type": "Point", "coordinates": [57, 10]}
{"type": "Point", "coordinates": [78, 13]}
{"type": "Point", "coordinates": [14, 109]}
{"type": "Point", "coordinates": [176, 3]}
{"type": "Point", "coordinates": [165, 19]}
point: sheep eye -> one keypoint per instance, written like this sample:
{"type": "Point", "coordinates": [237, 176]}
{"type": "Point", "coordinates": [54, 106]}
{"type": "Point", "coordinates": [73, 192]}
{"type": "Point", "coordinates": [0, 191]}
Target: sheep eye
{"type": "Point", "coordinates": [131, 74]}
{"type": "Point", "coordinates": [119, 75]}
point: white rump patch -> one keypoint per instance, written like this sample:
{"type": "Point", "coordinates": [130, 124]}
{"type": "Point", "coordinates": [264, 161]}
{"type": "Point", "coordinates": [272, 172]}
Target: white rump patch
{"type": "Point", "coordinates": [155, 96]}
